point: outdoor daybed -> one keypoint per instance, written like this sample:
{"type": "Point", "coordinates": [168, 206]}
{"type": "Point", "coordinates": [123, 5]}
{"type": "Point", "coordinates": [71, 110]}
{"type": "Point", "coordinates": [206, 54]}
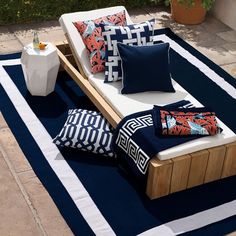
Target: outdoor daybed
{"type": "Point", "coordinates": [178, 168]}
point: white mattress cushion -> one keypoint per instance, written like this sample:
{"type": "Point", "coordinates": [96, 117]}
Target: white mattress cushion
{"type": "Point", "coordinates": [66, 22]}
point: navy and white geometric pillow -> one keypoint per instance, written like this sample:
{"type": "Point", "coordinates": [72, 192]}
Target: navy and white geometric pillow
{"type": "Point", "coordinates": [87, 131]}
{"type": "Point", "coordinates": [137, 34]}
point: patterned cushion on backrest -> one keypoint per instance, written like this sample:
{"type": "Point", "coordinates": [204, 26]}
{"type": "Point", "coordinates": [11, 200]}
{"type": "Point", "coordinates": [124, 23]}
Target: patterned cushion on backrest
{"type": "Point", "coordinates": [91, 34]}
{"type": "Point", "coordinates": [87, 131]}
{"type": "Point", "coordinates": [137, 34]}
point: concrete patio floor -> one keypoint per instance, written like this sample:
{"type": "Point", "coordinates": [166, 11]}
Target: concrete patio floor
{"type": "Point", "coordinates": [25, 206]}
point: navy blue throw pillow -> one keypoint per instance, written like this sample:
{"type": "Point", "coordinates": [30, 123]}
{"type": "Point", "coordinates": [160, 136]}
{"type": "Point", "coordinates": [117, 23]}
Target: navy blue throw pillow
{"type": "Point", "coordinates": [145, 68]}
{"type": "Point", "coordinates": [87, 131]}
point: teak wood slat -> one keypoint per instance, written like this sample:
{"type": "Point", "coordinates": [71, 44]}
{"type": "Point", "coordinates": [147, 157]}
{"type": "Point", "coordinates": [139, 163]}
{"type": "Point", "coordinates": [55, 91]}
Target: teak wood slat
{"type": "Point", "coordinates": [215, 163]}
{"type": "Point", "coordinates": [159, 178]}
{"type": "Point", "coordinates": [229, 168]}
{"type": "Point", "coordinates": [197, 168]}
{"type": "Point", "coordinates": [180, 173]}
{"type": "Point", "coordinates": [169, 176]}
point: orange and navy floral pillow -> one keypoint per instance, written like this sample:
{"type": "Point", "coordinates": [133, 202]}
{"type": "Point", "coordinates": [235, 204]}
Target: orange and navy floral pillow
{"type": "Point", "coordinates": [185, 122]}
{"type": "Point", "coordinates": [91, 34]}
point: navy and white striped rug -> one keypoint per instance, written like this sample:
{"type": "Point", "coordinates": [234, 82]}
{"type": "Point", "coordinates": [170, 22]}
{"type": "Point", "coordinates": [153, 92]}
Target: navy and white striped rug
{"type": "Point", "coordinates": [92, 194]}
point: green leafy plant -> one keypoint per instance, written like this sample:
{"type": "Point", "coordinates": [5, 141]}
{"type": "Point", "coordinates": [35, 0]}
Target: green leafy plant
{"type": "Point", "coordinates": [207, 4]}
{"type": "Point", "coordinates": [19, 11]}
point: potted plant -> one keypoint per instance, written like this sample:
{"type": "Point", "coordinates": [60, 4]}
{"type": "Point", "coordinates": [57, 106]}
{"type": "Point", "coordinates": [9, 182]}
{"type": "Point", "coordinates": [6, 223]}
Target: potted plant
{"type": "Point", "coordinates": [189, 12]}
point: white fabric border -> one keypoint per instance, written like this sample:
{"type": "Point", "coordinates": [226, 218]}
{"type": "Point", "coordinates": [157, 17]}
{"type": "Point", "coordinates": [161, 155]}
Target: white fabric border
{"type": "Point", "coordinates": [68, 178]}
{"type": "Point", "coordinates": [228, 88]}
{"type": "Point", "coordinates": [194, 222]}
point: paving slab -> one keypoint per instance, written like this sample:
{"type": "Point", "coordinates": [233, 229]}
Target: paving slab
{"type": "Point", "coordinates": [229, 36]}
{"type": "Point", "coordinates": [26, 30]}
{"type": "Point", "coordinates": [6, 34]}
{"type": "Point", "coordinates": [212, 25]}
{"type": "Point", "coordinates": [45, 36]}
{"type": "Point", "coordinates": [217, 54]}
{"type": "Point", "coordinates": [231, 69]}
{"type": "Point", "coordinates": [10, 46]}
{"type": "Point", "coordinates": [200, 38]}
{"type": "Point", "coordinates": [162, 16]}
{"type": "Point", "coordinates": [139, 15]}
{"type": "Point", "coordinates": [231, 47]}
{"type": "Point", "coordinates": [42, 203]}
{"type": "Point", "coordinates": [15, 155]}
{"type": "Point", "coordinates": [16, 217]}
{"type": "Point", "coordinates": [3, 123]}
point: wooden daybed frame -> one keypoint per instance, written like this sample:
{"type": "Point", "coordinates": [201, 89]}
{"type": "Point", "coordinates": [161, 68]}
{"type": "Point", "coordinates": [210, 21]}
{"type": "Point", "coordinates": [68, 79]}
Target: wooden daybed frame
{"type": "Point", "coordinates": [168, 176]}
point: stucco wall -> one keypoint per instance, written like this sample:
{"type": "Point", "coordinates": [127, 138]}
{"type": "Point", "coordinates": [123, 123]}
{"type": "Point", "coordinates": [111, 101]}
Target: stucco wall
{"type": "Point", "coordinates": [225, 11]}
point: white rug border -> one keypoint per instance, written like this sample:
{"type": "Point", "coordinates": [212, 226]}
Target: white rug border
{"type": "Point", "coordinates": [72, 184]}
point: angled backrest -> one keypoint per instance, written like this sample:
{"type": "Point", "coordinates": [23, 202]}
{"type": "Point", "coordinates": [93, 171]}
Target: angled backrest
{"type": "Point", "coordinates": [74, 37]}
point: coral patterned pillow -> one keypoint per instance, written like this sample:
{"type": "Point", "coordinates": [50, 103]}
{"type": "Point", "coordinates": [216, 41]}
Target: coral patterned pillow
{"type": "Point", "coordinates": [91, 34]}
{"type": "Point", "coordinates": [185, 121]}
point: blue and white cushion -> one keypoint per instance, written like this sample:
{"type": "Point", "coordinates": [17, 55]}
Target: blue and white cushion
{"type": "Point", "coordinates": [87, 131]}
{"type": "Point", "coordinates": [137, 34]}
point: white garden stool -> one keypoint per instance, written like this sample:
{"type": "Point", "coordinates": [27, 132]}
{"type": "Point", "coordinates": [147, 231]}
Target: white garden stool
{"type": "Point", "coordinates": [40, 68]}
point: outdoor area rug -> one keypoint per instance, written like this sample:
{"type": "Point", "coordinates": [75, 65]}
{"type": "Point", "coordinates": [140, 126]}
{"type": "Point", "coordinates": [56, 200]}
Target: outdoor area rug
{"type": "Point", "coordinates": [93, 195]}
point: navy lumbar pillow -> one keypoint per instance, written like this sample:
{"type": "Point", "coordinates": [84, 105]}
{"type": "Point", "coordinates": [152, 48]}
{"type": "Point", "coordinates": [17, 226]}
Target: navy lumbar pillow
{"type": "Point", "coordinates": [145, 68]}
{"type": "Point", "coordinates": [87, 131]}
{"type": "Point", "coordinates": [136, 34]}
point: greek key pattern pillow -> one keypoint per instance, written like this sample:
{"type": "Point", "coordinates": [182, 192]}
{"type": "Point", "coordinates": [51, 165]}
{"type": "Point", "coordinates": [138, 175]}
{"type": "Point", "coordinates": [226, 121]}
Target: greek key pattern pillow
{"type": "Point", "coordinates": [87, 131]}
{"type": "Point", "coordinates": [137, 34]}
{"type": "Point", "coordinates": [91, 34]}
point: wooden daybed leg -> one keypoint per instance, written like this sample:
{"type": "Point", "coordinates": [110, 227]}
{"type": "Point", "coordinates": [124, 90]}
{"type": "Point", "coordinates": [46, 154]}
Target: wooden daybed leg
{"type": "Point", "coordinates": [229, 168]}
{"type": "Point", "coordinates": [159, 178]}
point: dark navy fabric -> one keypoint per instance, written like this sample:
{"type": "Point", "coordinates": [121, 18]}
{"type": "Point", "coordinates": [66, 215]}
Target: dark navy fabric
{"type": "Point", "coordinates": [145, 68]}
{"type": "Point", "coordinates": [146, 140]}
{"type": "Point", "coordinates": [119, 198]}
{"type": "Point", "coordinates": [10, 56]}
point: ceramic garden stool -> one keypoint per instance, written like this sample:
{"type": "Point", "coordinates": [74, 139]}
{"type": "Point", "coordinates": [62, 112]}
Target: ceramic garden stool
{"type": "Point", "coordinates": [40, 68]}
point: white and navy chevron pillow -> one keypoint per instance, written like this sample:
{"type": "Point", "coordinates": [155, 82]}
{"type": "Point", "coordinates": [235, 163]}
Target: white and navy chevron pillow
{"type": "Point", "coordinates": [87, 131]}
{"type": "Point", "coordinates": [137, 34]}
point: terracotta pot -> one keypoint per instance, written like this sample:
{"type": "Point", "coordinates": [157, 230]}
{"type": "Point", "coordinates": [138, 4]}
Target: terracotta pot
{"type": "Point", "coordinates": [187, 15]}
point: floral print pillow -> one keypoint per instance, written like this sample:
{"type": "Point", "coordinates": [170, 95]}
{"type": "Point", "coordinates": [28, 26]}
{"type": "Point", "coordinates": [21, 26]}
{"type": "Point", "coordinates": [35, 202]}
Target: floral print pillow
{"type": "Point", "coordinates": [188, 123]}
{"type": "Point", "coordinates": [91, 34]}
